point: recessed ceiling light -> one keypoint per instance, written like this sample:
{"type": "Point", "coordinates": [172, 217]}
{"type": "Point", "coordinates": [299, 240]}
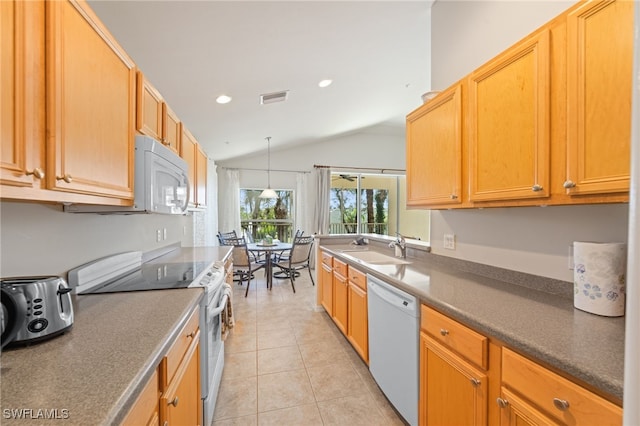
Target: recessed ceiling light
{"type": "Point", "coordinates": [223, 99]}
{"type": "Point", "coordinates": [325, 83]}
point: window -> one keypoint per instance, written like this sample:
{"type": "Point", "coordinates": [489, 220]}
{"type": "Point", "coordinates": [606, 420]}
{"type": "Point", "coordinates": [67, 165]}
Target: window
{"type": "Point", "coordinates": [374, 204]}
{"type": "Point", "coordinates": [265, 216]}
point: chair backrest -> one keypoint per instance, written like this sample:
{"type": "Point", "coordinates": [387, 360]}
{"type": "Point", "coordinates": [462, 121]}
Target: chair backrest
{"type": "Point", "coordinates": [301, 249]}
{"type": "Point", "coordinates": [240, 253]}
{"type": "Point", "coordinates": [299, 233]}
{"type": "Point", "coordinates": [224, 236]}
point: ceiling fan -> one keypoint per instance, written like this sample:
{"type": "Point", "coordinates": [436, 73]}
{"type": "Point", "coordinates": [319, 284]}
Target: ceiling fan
{"type": "Point", "coordinates": [350, 178]}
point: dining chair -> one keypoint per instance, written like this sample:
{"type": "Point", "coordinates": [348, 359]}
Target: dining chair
{"type": "Point", "coordinates": [243, 263]}
{"type": "Point", "coordinates": [222, 237]}
{"type": "Point", "coordinates": [298, 259]}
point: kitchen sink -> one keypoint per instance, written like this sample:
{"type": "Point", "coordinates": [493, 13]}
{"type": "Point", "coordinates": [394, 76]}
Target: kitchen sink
{"type": "Point", "coordinates": [375, 258]}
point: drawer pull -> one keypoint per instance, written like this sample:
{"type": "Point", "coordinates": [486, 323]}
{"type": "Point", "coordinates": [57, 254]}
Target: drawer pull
{"type": "Point", "coordinates": [191, 335]}
{"type": "Point", "coordinates": [502, 403]}
{"type": "Point", "coordinates": [475, 382]}
{"type": "Point", "coordinates": [561, 404]}
{"type": "Point", "coordinates": [444, 332]}
{"type": "Point", "coordinates": [568, 184]}
{"type": "Point", "coordinates": [174, 402]}
{"type": "Point", "coordinates": [536, 188]}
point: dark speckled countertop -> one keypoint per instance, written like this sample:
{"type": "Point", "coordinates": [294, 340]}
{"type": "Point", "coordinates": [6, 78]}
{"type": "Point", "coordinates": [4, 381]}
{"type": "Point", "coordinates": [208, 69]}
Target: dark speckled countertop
{"type": "Point", "coordinates": [541, 324]}
{"type": "Point", "coordinates": [92, 374]}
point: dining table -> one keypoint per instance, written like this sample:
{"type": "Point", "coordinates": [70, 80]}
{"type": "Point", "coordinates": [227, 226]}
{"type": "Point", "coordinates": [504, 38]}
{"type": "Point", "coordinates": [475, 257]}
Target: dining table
{"type": "Point", "coordinates": [270, 250]}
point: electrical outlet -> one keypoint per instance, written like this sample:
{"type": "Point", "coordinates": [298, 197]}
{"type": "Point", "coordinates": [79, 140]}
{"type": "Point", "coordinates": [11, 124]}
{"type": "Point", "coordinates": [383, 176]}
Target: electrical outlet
{"type": "Point", "coordinates": [158, 235]}
{"type": "Point", "coordinates": [449, 241]}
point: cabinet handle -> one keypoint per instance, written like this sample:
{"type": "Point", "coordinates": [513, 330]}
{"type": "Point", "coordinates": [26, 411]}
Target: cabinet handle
{"type": "Point", "coordinates": [67, 178]}
{"type": "Point", "coordinates": [174, 402]}
{"type": "Point", "coordinates": [38, 173]}
{"type": "Point", "coordinates": [454, 197]}
{"type": "Point", "coordinates": [536, 188]}
{"type": "Point", "coordinates": [166, 423]}
{"type": "Point", "coordinates": [569, 184]}
{"type": "Point", "coordinates": [561, 404]}
{"type": "Point", "coordinates": [191, 335]}
{"type": "Point", "coordinates": [444, 332]}
{"type": "Point", "coordinates": [475, 382]}
{"type": "Point", "coordinates": [502, 403]}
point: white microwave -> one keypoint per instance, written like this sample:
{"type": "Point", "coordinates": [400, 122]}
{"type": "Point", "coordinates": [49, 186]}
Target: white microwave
{"type": "Point", "coordinates": [161, 183]}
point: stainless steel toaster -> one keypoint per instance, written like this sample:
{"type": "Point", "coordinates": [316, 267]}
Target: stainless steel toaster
{"type": "Point", "coordinates": [34, 308]}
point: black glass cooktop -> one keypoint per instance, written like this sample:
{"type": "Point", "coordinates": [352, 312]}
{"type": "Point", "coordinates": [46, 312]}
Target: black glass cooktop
{"type": "Point", "coordinates": [152, 276]}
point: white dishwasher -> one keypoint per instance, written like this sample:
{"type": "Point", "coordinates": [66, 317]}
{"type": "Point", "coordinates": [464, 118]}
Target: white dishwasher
{"type": "Point", "coordinates": [394, 321]}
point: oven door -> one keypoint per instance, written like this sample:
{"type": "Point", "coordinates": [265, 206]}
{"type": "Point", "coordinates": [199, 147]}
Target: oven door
{"type": "Point", "coordinates": [213, 352]}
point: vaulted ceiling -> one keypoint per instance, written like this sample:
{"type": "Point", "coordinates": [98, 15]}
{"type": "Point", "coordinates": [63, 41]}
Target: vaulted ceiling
{"type": "Point", "coordinates": [376, 52]}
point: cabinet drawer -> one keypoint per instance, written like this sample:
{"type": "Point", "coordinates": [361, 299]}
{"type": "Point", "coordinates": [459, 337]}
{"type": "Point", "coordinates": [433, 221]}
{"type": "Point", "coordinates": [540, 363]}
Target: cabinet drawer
{"type": "Point", "coordinates": [564, 400]}
{"type": "Point", "coordinates": [180, 346]}
{"type": "Point", "coordinates": [340, 267]}
{"type": "Point", "coordinates": [327, 259]}
{"type": "Point", "coordinates": [358, 278]}
{"type": "Point", "coordinates": [455, 336]}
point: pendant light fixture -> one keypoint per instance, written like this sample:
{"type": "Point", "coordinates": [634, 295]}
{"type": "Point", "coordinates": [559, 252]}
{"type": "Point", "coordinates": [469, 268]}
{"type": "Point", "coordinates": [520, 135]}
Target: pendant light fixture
{"type": "Point", "coordinates": [268, 193]}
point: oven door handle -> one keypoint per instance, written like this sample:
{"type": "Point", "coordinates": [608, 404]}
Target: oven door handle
{"type": "Point", "coordinates": [220, 308]}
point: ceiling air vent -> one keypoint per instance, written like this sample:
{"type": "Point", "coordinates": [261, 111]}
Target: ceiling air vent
{"type": "Point", "coordinates": [269, 98]}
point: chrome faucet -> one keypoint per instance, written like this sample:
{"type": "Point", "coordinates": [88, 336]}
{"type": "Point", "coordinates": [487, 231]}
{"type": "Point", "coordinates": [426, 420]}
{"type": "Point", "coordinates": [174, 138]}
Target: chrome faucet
{"type": "Point", "coordinates": [400, 246]}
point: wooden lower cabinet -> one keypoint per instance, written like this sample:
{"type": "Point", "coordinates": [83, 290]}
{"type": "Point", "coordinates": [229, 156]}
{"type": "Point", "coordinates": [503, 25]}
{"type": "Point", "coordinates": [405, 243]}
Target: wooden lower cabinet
{"type": "Point", "coordinates": [326, 288]}
{"type": "Point", "coordinates": [357, 321]}
{"type": "Point", "coordinates": [180, 404]}
{"type": "Point", "coordinates": [172, 394]}
{"type": "Point", "coordinates": [452, 391]}
{"type": "Point", "coordinates": [145, 410]}
{"type": "Point", "coordinates": [540, 396]}
{"type": "Point", "coordinates": [340, 301]}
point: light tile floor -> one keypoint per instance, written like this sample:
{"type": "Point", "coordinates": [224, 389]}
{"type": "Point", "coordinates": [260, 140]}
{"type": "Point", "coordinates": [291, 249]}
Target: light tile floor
{"type": "Point", "coordinates": [286, 363]}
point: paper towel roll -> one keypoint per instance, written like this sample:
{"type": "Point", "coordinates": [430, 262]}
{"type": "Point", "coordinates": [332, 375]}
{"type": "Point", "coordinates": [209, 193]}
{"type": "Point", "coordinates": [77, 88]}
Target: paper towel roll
{"type": "Point", "coordinates": [599, 277]}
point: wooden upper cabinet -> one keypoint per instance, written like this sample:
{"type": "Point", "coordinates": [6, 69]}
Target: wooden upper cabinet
{"type": "Point", "coordinates": [188, 149]}
{"type": "Point", "coordinates": [172, 128]}
{"type": "Point", "coordinates": [149, 110]}
{"type": "Point", "coordinates": [509, 131]}
{"type": "Point", "coordinates": [90, 91]}
{"type": "Point", "coordinates": [22, 93]}
{"type": "Point", "coordinates": [600, 76]}
{"type": "Point", "coordinates": [434, 151]}
{"type": "Point", "coordinates": [201, 177]}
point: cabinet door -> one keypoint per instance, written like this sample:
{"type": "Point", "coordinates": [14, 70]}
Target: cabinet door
{"type": "Point", "coordinates": [357, 322]}
{"type": "Point", "coordinates": [340, 302]}
{"type": "Point", "coordinates": [326, 291]}
{"type": "Point", "coordinates": [509, 124]}
{"type": "Point", "coordinates": [172, 128]}
{"type": "Point", "coordinates": [145, 409]}
{"type": "Point", "coordinates": [516, 412]}
{"type": "Point", "coordinates": [181, 403]}
{"type": "Point", "coordinates": [188, 153]}
{"type": "Point", "coordinates": [434, 151]}
{"type": "Point", "coordinates": [201, 177]}
{"type": "Point", "coordinates": [22, 93]}
{"type": "Point", "coordinates": [90, 105]}
{"type": "Point", "coordinates": [600, 70]}
{"type": "Point", "coordinates": [149, 110]}
{"type": "Point", "coordinates": [452, 391]}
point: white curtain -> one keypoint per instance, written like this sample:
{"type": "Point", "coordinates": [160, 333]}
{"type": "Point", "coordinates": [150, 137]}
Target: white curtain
{"type": "Point", "coordinates": [302, 209]}
{"type": "Point", "coordinates": [322, 178]}
{"type": "Point", "coordinates": [229, 202]}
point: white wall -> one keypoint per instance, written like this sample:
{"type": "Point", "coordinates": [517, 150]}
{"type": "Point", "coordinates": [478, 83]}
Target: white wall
{"type": "Point", "coordinates": [40, 239]}
{"type": "Point", "coordinates": [465, 34]}
{"type": "Point", "coordinates": [380, 147]}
